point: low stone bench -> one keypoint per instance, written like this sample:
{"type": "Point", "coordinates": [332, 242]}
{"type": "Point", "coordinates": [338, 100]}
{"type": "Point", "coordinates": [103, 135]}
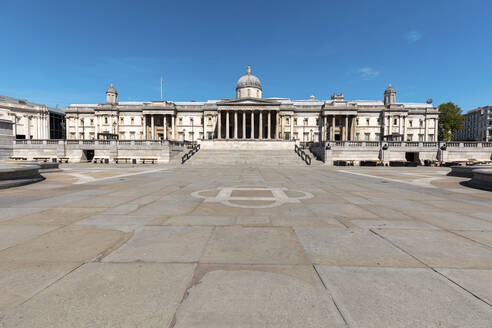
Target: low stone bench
{"type": "Point", "coordinates": [63, 159]}
{"type": "Point", "coordinates": [122, 159]}
{"type": "Point", "coordinates": [148, 160]}
{"type": "Point", "coordinates": [44, 159]}
{"type": "Point", "coordinates": [18, 158]}
{"type": "Point", "coordinates": [101, 160]}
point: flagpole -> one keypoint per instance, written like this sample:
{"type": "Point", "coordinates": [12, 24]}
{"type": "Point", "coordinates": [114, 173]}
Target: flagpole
{"type": "Point", "coordinates": [161, 88]}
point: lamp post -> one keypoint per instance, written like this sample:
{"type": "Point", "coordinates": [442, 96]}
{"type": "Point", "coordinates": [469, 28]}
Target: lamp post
{"type": "Point", "coordinates": [83, 129]}
{"type": "Point", "coordinates": [192, 132]}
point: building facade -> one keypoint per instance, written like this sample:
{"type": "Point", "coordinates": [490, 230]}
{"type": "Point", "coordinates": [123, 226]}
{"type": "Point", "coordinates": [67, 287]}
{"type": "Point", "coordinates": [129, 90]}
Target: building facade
{"type": "Point", "coordinates": [32, 121]}
{"type": "Point", "coordinates": [478, 125]}
{"type": "Point", "coordinates": [251, 117]}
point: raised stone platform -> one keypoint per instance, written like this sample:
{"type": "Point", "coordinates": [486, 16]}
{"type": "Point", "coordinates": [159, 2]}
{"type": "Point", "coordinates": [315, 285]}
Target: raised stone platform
{"type": "Point", "coordinates": [466, 171]}
{"type": "Point", "coordinates": [18, 175]}
{"type": "Point", "coordinates": [482, 179]}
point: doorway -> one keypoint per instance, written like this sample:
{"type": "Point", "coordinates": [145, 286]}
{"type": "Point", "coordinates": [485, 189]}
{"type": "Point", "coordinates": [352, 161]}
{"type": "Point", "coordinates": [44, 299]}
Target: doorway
{"type": "Point", "coordinates": [87, 154]}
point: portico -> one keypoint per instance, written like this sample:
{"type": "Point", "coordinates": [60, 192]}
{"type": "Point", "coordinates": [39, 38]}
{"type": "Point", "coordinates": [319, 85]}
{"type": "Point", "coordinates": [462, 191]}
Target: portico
{"type": "Point", "coordinates": [245, 124]}
{"type": "Point", "coordinates": [338, 126]}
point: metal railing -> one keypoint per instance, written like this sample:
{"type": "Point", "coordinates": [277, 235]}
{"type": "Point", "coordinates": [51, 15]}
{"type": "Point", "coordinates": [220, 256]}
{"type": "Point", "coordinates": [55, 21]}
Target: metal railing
{"type": "Point", "coordinates": [305, 157]}
{"type": "Point", "coordinates": [190, 153]}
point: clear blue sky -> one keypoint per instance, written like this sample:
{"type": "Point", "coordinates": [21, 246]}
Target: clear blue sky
{"type": "Point", "coordinates": [62, 52]}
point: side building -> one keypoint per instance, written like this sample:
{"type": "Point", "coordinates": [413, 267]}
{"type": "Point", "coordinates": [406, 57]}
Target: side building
{"type": "Point", "coordinates": [478, 125]}
{"type": "Point", "coordinates": [33, 121]}
{"type": "Point", "coordinates": [249, 116]}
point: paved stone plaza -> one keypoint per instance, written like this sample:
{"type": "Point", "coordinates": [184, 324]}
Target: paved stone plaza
{"type": "Point", "coordinates": [245, 246]}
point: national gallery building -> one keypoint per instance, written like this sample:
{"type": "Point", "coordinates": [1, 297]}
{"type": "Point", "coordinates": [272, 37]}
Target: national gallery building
{"type": "Point", "coordinates": [251, 117]}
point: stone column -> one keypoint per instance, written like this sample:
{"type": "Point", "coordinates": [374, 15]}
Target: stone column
{"type": "Point", "coordinates": [345, 129]}
{"type": "Point", "coordinates": [404, 128]}
{"type": "Point", "coordinates": [390, 125]}
{"type": "Point", "coordinates": [227, 124]}
{"type": "Point", "coordinates": [152, 127]}
{"type": "Point", "coordinates": [352, 129]}
{"type": "Point", "coordinates": [425, 128]}
{"type": "Point", "coordinates": [278, 123]}
{"type": "Point", "coordinates": [165, 127]}
{"type": "Point", "coordinates": [332, 128]}
{"type": "Point", "coordinates": [235, 124]}
{"type": "Point", "coordinates": [292, 127]}
{"type": "Point", "coordinates": [252, 125]}
{"type": "Point", "coordinates": [244, 125]}
{"type": "Point", "coordinates": [219, 125]}
{"type": "Point", "coordinates": [96, 127]}
{"type": "Point", "coordinates": [269, 125]}
{"type": "Point", "coordinates": [260, 125]}
{"type": "Point", "coordinates": [173, 127]}
{"type": "Point", "coordinates": [323, 130]}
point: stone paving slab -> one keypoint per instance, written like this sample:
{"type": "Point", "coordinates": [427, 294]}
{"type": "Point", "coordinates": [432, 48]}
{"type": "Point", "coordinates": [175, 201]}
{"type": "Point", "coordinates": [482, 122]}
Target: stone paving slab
{"type": "Point", "coordinates": [393, 224]}
{"type": "Point", "coordinates": [256, 299]}
{"type": "Point", "coordinates": [11, 235]}
{"type": "Point", "coordinates": [351, 247]}
{"type": "Point", "coordinates": [484, 237]}
{"type": "Point", "coordinates": [402, 297]}
{"type": "Point", "coordinates": [453, 221]}
{"type": "Point", "coordinates": [479, 282]}
{"type": "Point", "coordinates": [248, 245]}
{"type": "Point", "coordinates": [54, 216]}
{"type": "Point", "coordinates": [163, 244]}
{"type": "Point", "coordinates": [198, 221]}
{"type": "Point", "coordinates": [107, 295]}
{"type": "Point", "coordinates": [440, 248]}
{"type": "Point", "coordinates": [68, 244]}
{"type": "Point", "coordinates": [20, 281]}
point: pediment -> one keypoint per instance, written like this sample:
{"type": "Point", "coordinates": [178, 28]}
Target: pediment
{"type": "Point", "coordinates": [248, 101]}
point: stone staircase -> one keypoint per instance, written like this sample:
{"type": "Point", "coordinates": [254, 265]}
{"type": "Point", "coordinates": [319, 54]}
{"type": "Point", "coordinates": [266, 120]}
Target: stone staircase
{"type": "Point", "coordinates": [208, 157]}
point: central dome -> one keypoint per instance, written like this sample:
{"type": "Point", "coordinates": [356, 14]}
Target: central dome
{"type": "Point", "coordinates": [248, 86]}
{"type": "Point", "coordinates": [248, 80]}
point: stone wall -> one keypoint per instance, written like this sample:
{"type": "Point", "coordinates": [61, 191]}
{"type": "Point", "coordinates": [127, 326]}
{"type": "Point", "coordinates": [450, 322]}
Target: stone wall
{"type": "Point", "coordinates": [6, 139]}
{"type": "Point", "coordinates": [358, 151]}
{"type": "Point", "coordinates": [76, 150]}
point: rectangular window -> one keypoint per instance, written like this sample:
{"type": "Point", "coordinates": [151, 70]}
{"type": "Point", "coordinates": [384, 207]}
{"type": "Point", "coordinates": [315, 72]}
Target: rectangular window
{"type": "Point", "coordinates": [368, 122]}
{"type": "Point", "coordinates": [366, 136]}
{"type": "Point", "coordinates": [287, 135]}
{"type": "Point", "coordinates": [132, 120]}
{"type": "Point", "coordinates": [421, 137]}
{"type": "Point", "coordinates": [295, 121]}
{"type": "Point", "coordinates": [431, 137]}
{"type": "Point", "coordinates": [357, 137]}
{"type": "Point", "coordinates": [377, 136]}
{"type": "Point", "coordinates": [409, 137]}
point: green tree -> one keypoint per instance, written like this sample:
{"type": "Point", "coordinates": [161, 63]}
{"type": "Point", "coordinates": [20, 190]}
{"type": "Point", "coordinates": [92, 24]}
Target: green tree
{"type": "Point", "coordinates": [450, 120]}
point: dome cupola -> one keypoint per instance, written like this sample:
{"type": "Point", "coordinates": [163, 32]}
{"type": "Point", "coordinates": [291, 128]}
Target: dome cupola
{"type": "Point", "coordinates": [248, 86]}
{"type": "Point", "coordinates": [111, 95]}
{"type": "Point", "coordinates": [389, 96]}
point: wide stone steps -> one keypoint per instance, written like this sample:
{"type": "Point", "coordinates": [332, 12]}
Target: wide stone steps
{"type": "Point", "coordinates": [245, 158]}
